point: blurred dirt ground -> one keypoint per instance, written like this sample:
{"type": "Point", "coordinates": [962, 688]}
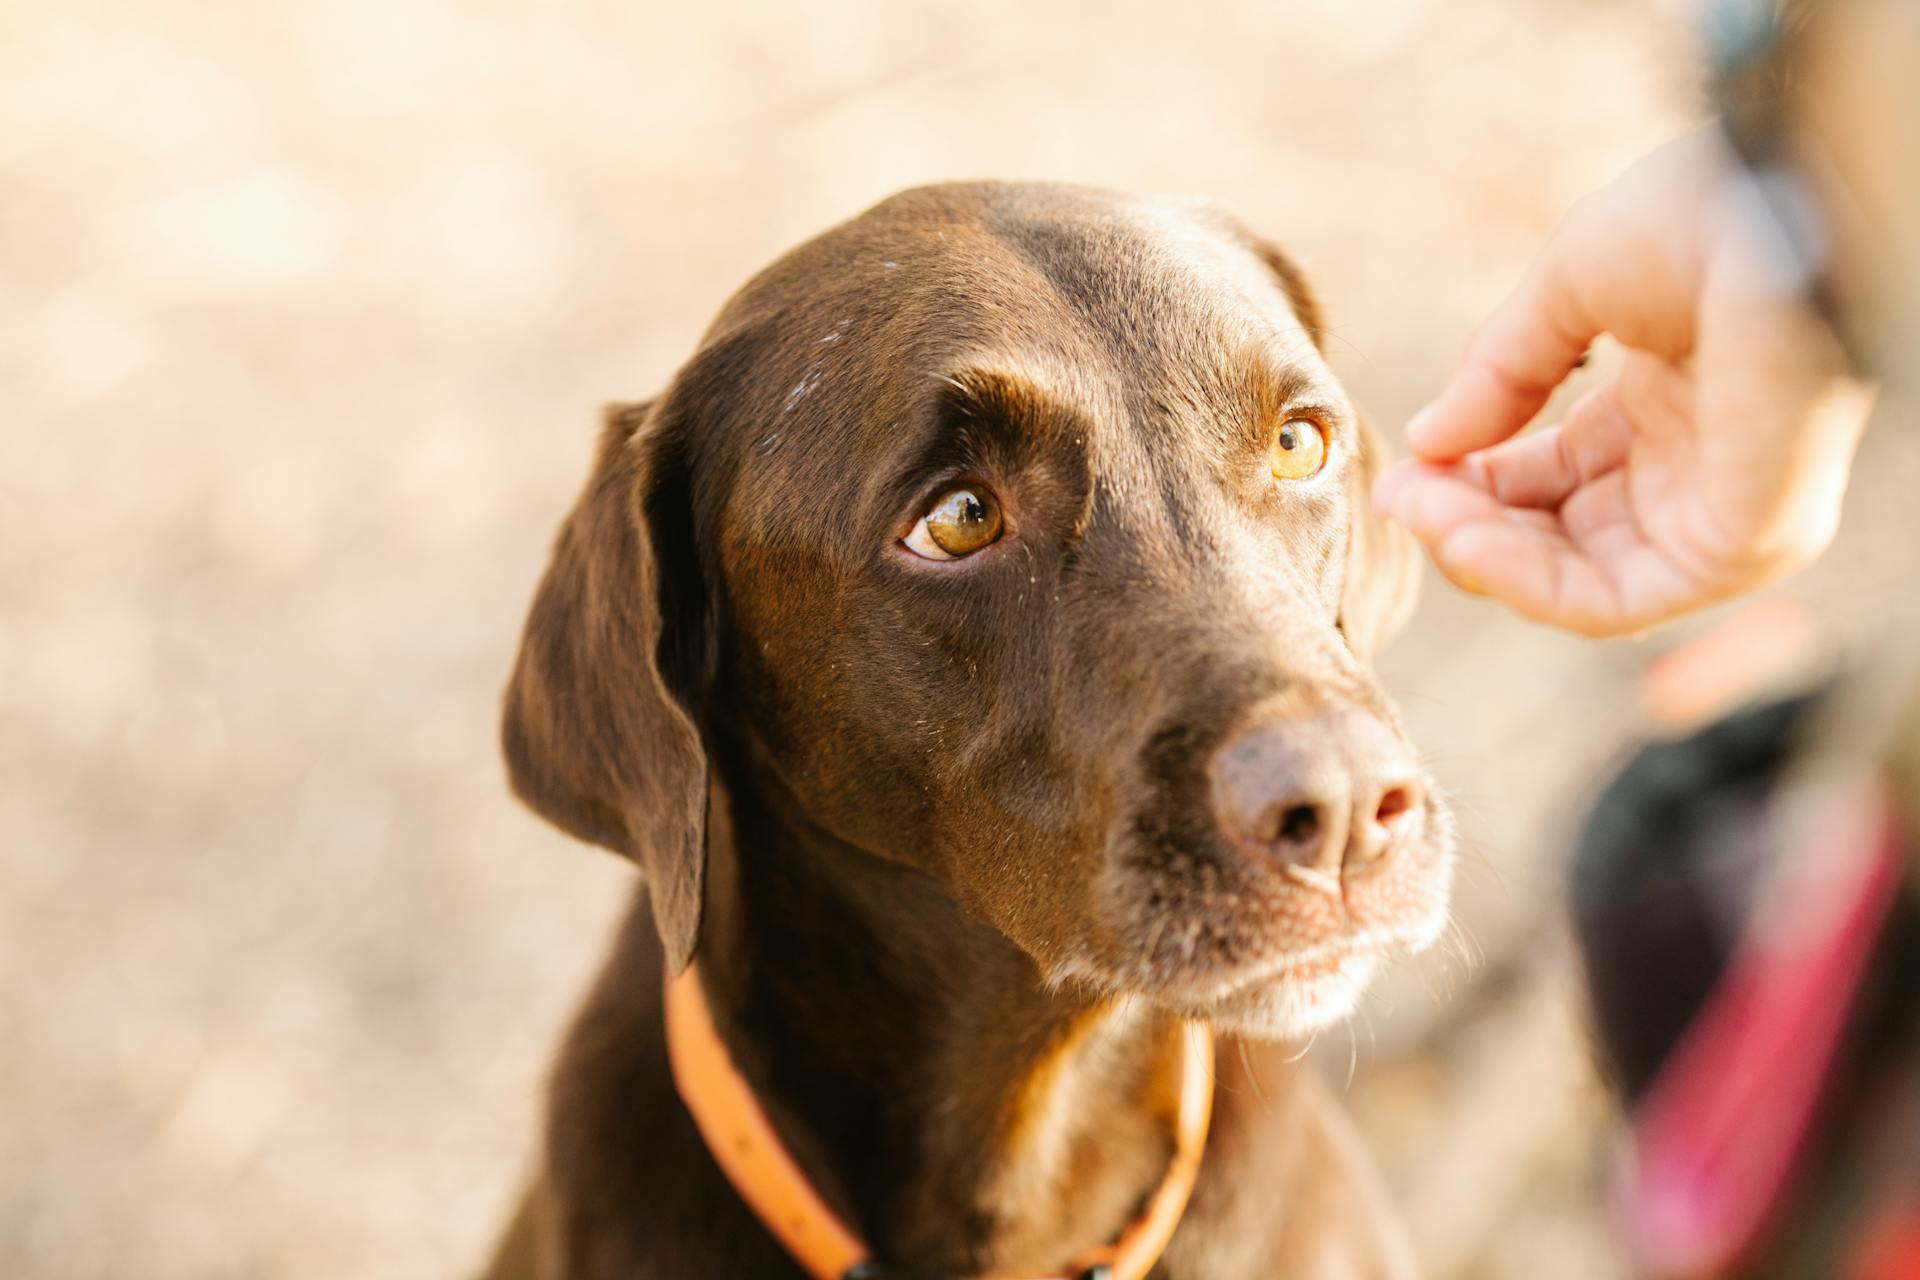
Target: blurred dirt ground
{"type": "Point", "coordinates": [305, 311]}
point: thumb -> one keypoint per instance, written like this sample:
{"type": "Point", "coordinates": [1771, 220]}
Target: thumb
{"type": "Point", "coordinates": [1512, 365]}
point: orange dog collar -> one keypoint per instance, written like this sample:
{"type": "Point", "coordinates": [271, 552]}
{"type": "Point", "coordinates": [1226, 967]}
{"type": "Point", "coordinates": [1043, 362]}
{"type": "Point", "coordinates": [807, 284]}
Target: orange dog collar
{"type": "Point", "coordinates": [745, 1146]}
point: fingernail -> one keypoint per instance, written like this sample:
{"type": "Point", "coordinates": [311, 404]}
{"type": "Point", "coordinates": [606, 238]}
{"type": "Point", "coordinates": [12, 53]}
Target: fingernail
{"type": "Point", "coordinates": [1418, 426]}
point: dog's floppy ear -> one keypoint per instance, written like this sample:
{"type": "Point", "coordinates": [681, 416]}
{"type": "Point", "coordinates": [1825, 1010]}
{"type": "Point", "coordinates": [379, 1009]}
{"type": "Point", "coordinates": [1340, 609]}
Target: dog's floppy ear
{"type": "Point", "coordinates": [1293, 282]}
{"type": "Point", "coordinates": [1382, 579]}
{"type": "Point", "coordinates": [599, 729]}
{"type": "Point", "coordinates": [1382, 573]}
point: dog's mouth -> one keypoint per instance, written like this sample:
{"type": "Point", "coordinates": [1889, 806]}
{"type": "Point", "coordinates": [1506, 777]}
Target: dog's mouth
{"type": "Point", "coordinates": [1295, 993]}
{"type": "Point", "coordinates": [1261, 953]}
{"type": "Point", "coordinates": [1269, 993]}
{"type": "Point", "coordinates": [1296, 999]}
{"type": "Point", "coordinates": [1315, 968]}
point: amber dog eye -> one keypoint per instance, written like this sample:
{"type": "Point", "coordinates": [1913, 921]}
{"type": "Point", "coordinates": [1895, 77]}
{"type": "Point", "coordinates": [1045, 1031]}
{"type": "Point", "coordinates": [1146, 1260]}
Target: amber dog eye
{"type": "Point", "coordinates": [1299, 449]}
{"type": "Point", "coordinates": [960, 522]}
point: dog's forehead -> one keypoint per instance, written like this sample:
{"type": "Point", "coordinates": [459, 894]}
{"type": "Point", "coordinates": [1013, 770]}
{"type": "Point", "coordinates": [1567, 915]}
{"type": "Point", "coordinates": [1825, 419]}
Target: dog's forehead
{"type": "Point", "coordinates": [1099, 301]}
{"type": "Point", "coordinates": [1147, 278]}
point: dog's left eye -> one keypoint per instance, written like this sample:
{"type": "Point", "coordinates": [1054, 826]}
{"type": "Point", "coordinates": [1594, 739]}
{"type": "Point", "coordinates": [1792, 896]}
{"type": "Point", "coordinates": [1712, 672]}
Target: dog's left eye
{"type": "Point", "coordinates": [960, 522]}
{"type": "Point", "coordinates": [1299, 449]}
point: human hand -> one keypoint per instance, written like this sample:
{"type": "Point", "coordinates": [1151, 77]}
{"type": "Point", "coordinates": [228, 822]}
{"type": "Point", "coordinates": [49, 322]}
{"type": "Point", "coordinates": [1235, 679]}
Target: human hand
{"type": "Point", "coordinates": [1712, 462]}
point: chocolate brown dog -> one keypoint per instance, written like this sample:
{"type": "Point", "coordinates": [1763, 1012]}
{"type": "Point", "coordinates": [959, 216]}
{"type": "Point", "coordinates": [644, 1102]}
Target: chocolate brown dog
{"type": "Point", "coordinates": [970, 647]}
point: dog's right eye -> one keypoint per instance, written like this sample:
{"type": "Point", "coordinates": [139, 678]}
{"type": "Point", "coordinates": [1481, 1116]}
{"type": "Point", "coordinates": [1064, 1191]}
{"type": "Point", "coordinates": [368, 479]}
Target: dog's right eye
{"type": "Point", "coordinates": [1299, 449]}
{"type": "Point", "coordinates": [960, 522]}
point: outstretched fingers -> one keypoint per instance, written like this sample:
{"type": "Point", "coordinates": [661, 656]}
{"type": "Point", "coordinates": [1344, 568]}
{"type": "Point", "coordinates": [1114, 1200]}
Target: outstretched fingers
{"type": "Point", "coordinates": [1586, 567]}
{"type": "Point", "coordinates": [1520, 354]}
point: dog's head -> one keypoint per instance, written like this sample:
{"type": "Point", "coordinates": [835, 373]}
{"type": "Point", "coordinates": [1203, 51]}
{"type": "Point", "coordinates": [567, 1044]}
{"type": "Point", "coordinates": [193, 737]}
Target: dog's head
{"type": "Point", "coordinates": [1017, 534]}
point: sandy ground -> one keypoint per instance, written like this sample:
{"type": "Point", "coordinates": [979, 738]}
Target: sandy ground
{"type": "Point", "coordinates": [304, 315]}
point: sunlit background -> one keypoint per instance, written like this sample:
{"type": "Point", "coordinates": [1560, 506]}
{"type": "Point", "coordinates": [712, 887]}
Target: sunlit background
{"type": "Point", "coordinates": [305, 312]}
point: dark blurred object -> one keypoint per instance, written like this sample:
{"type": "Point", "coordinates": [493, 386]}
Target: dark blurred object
{"type": "Point", "coordinates": [1748, 911]}
{"type": "Point", "coordinates": [1666, 875]}
{"type": "Point", "coordinates": [1747, 899]}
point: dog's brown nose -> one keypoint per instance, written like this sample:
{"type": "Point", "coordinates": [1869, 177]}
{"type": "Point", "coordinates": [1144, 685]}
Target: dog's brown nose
{"type": "Point", "coordinates": [1331, 792]}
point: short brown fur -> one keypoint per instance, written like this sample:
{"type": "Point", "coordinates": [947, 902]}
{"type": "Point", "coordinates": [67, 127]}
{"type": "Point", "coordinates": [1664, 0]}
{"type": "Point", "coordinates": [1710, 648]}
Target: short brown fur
{"type": "Point", "coordinates": [938, 833]}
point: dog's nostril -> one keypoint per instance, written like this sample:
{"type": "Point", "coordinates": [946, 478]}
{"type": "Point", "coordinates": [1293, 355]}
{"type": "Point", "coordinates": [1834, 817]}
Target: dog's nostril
{"type": "Point", "coordinates": [1396, 802]}
{"type": "Point", "coordinates": [1299, 824]}
{"type": "Point", "coordinates": [1392, 813]}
